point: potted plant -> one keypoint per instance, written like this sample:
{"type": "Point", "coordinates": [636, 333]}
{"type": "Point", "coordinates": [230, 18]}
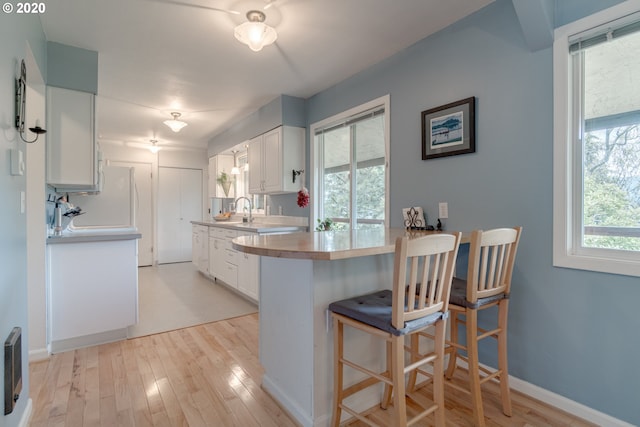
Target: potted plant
{"type": "Point", "coordinates": [324, 224]}
{"type": "Point", "coordinates": [224, 179]}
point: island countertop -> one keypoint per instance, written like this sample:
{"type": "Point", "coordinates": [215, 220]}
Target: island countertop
{"type": "Point", "coordinates": [253, 227]}
{"type": "Point", "coordinates": [327, 245]}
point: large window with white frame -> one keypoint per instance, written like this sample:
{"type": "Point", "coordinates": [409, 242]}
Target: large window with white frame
{"type": "Point", "coordinates": [350, 162]}
{"type": "Point", "coordinates": [597, 142]}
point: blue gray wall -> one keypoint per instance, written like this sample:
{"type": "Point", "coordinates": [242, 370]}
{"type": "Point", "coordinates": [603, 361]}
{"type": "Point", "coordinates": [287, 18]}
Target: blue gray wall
{"type": "Point", "coordinates": [72, 67]}
{"type": "Point", "coordinates": [571, 332]}
{"type": "Point", "coordinates": [15, 32]}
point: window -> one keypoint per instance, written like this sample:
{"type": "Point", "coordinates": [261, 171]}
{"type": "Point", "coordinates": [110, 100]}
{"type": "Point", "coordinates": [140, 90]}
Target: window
{"type": "Point", "coordinates": [597, 142]}
{"type": "Point", "coordinates": [351, 167]}
{"type": "Point", "coordinates": [242, 187]}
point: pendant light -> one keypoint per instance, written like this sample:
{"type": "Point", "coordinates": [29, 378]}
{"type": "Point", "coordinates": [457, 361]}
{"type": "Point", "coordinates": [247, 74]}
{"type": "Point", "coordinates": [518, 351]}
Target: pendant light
{"type": "Point", "coordinates": [255, 33]}
{"type": "Point", "coordinates": [235, 170]}
{"type": "Point", "coordinates": [154, 148]}
{"type": "Point", "coordinates": [174, 123]}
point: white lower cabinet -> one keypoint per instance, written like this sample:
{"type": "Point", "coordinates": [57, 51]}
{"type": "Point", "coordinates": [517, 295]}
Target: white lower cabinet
{"type": "Point", "coordinates": [200, 248]}
{"type": "Point", "coordinates": [92, 292]}
{"type": "Point", "coordinates": [216, 256]}
{"type": "Point", "coordinates": [249, 275]}
{"type": "Point", "coordinates": [237, 270]}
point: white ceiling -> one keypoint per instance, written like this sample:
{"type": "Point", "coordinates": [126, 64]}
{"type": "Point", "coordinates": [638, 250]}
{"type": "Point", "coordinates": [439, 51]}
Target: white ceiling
{"type": "Point", "coordinates": [158, 56]}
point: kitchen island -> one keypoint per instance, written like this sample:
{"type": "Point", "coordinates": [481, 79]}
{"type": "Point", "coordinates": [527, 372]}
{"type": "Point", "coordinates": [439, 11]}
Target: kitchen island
{"type": "Point", "coordinates": [300, 275]}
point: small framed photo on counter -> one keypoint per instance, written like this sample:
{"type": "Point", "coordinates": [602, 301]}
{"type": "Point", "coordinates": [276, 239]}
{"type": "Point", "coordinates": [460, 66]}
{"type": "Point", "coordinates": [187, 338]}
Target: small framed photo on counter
{"type": "Point", "coordinates": [449, 130]}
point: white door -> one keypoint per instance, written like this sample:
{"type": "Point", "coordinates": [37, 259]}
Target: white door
{"type": "Point", "coordinates": [144, 209]}
{"type": "Point", "coordinates": [179, 203]}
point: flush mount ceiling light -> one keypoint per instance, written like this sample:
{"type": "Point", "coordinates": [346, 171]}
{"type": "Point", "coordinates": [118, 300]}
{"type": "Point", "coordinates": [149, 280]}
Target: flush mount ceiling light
{"type": "Point", "coordinates": [174, 123]}
{"type": "Point", "coordinates": [255, 33]}
{"type": "Point", "coordinates": [154, 148]}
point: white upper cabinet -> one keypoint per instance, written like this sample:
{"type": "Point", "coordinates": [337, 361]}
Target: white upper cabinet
{"type": "Point", "coordinates": [218, 164]}
{"type": "Point", "coordinates": [72, 160]}
{"type": "Point", "coordinates": [272, 157]}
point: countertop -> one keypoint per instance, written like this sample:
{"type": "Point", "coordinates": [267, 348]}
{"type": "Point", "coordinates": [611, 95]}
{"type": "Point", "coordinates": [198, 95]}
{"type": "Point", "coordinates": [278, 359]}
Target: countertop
{"type": "Point", "coordinates": [327, 245]}
{"type": "Point", "coordinates": [253, 227]}
{"type": "Point", "coordinates": [98, 235]}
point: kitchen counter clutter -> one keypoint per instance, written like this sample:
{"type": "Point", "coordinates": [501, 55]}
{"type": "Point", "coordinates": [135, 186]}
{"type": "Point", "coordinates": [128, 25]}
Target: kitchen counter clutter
{"type": "Point", "coordinates": [300, 275]}
{"type": "Point", "coordinates": [215, 257]}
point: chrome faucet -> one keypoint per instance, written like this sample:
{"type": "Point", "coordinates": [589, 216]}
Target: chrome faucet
{"type": "Point", "coordinates": [250, 207]}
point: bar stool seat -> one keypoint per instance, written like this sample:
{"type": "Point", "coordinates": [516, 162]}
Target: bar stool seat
{"type": "Point", "coordinates": [393, 315]}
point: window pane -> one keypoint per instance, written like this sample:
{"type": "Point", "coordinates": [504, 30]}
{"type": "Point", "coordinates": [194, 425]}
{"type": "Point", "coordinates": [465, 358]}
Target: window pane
{"type": "Point", "coordinates": [611, 145]}
{"type": "Point", "coordinates": [370, 175]}
{"type": "Point", "coordinates": [336, 183]}
{"type": "Point", "coordinates": [352, 163]}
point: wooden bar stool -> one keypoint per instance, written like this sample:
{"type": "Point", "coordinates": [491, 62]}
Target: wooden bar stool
{"type": "Point", "coordinates": [394, 314]}
{"type": "Point", "coordinates": [492, 255]}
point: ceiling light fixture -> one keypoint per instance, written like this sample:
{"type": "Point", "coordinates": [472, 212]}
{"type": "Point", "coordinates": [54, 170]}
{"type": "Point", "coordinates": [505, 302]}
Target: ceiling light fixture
{"type": "Point", "coordinates": [154, 148]}
{"type": "Point", "coordinates": [255, 33]}
{"type": "Point", "coordinates": [174, 123]}
{"type": "Point", "coordinates": [235, 170]}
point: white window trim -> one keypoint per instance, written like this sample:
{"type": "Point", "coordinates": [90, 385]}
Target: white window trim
{"type": "Point", "coordinates": [565, 188]}
{"type": "Point", "coordinates": [315, 179]}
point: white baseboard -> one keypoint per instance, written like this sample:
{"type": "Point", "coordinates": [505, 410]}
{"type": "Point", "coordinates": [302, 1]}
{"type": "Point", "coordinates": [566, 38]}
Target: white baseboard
{"type": "Point", "coordinates": [26, 415]}
{"type": "Point", "coordinates": [567, 405]}
{"type": "Point", "coordinates": [287, 404]}
{"type": "Point", "coordinates": [38, 355]}
{"type": "Point", "coordinates": [558, 401]}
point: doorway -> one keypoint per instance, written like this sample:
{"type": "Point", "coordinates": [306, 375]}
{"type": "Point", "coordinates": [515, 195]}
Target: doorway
{"type": "Point", "coordinates": [179, 203]}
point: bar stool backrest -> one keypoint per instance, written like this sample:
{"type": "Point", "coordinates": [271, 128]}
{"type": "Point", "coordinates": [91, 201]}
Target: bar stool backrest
{"type": "Point", "coordinates": [492, 255]}
{"type": "Point", "coordinates": [423, 260]}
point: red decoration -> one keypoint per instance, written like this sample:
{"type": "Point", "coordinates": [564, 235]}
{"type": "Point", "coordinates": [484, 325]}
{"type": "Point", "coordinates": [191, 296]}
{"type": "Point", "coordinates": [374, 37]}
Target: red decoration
{"type": "Point", "coordinates": [303, 197]}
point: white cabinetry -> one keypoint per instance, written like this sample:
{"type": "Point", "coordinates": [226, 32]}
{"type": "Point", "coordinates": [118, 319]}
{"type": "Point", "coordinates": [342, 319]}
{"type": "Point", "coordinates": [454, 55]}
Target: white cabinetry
{"type": "Point", "coordinates": [71, 145]}
{"type": "Point", "coordinates": [93, 292]}
{"type": "Point", "coordinates": [218, 164]}
{"type": "Point", "coordinates": [272, 156]}
{"type": "Point", "coordinates": [237, 270]}
{"type": "Point", "coordinates": [217, 254]}
{"type": "Point", "coordinates": [200, 248]}
{"type": "Point", "coordinates": [248, 273]}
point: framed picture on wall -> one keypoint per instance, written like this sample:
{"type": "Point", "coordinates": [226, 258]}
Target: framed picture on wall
{"type": "Point", "coordinates": [449, 130]}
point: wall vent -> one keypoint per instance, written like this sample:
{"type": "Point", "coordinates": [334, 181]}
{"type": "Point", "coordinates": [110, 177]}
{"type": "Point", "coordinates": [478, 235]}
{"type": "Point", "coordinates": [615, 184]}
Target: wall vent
{"type": "Point", "coordinates": [12, 369]}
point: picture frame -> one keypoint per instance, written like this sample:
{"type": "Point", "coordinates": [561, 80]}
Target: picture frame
{"type": "Point", "coordinates": [449, 130]}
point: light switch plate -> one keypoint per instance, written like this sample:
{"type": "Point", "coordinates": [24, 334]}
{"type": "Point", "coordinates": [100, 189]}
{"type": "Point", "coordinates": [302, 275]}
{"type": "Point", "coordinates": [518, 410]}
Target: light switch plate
{"type": "Point", "coordinates": [443, 210]}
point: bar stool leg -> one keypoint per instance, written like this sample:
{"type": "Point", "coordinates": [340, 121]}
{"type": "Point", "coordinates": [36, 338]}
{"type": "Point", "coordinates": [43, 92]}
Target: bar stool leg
{"type": "Point", "coordinates": [338, 349]}
{"type": "Point", "coordinates": [397, 366]}
{"type": "Point", "coordinates": [415, 351]}
{"type": "Point", "coordinates": [474, 368]}
{"type": "Point", "coordinates": [453, 352]}
{"type": "Point", "coordinates": [388, 390]}
{"type": "Point", "coordinates": [505, 393]}
{"type": "Point", "coordinates": [438, 377]}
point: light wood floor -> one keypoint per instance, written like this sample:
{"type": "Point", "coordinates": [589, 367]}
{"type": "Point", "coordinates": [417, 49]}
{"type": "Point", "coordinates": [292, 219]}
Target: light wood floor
{"type": "Point", "coordinates": [207, 375]}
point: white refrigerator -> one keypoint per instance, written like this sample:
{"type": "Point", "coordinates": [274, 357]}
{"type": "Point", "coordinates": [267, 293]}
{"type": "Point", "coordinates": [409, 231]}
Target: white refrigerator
{"type": "Point", "coordinates": [114, 207]}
